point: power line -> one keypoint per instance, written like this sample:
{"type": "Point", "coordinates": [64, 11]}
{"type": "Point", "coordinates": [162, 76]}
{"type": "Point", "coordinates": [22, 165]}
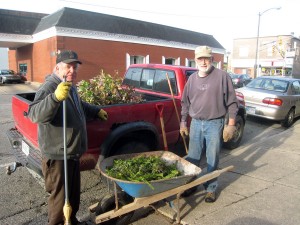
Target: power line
{"type": "Point", "coordinates": [159, 13]}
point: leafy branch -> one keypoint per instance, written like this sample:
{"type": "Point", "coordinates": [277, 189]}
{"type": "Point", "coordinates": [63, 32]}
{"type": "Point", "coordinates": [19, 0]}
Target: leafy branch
{"type": "Point", "coordinates": [104, 89]}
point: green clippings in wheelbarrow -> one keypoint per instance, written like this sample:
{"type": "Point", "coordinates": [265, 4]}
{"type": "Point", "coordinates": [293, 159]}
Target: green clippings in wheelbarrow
{"type": "Point", "coordinates": [142, 189]}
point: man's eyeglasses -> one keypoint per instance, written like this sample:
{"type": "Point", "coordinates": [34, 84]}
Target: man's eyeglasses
{"type": "Point", "coordinates": [202, 59]}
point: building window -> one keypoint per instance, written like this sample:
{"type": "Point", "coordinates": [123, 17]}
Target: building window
{"type": "Point", "coordinates": [217, 64]}
{"type": "Point", "coordinates": [136, 59]}
{"type": "Point", "coordinates": [23, 68]}
{"type": "Point", "coordinates": [170, 61]}
{"type": "Point", "coordinates": [190, 62]}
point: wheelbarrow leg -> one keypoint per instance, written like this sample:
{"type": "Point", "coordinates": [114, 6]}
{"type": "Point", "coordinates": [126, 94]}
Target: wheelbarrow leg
{"type": "Point", "coordinates": [178, 208]}
{"type": "Point", "coordinates": [116, 196]}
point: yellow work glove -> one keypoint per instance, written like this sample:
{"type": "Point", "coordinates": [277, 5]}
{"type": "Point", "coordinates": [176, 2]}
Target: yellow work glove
{"type": "Point", "coordinates": [228, 132]}
{"type": "Point", "coordinates": [102, 115]}
{"type": "Point", "coordinates": [183, 129]}
{"type": "Point", "coordinates": [62, 91]}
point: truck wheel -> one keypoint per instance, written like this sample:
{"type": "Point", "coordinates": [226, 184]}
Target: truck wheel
{"type": "Point", "coordinates": [132, 147]}
{"type": "Point", "coordinates": [107, 203]}
{"type": "Point", "coordinates": [235, 141]}
{"type": "Point", "coordinates": [289, 119]}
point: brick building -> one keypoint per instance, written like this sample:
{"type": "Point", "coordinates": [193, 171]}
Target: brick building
{"type": "Point", "coordinates": [102, 41]}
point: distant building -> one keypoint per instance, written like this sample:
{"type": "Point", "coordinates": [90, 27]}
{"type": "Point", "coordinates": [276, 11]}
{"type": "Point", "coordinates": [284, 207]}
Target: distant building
{"type": "Point", "coordinates": [102, 41]}
{"type": "Point", "coordinates": [277, 55]}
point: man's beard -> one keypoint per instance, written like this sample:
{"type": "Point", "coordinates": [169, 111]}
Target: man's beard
{"type": "Point", "coordinates": [205, 70]}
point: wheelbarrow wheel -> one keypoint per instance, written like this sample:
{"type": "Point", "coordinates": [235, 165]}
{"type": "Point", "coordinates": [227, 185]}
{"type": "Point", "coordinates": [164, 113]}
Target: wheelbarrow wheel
{"type": "Point", "coordinates": [107, 203]}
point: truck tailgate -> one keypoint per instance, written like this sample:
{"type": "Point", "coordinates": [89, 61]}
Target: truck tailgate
{"type": "Point", "coordinates": [23, 124]}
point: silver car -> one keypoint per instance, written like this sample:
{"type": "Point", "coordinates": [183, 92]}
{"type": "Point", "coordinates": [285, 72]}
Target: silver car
{"type": "Point", "coordinates": [9, 76]}
{"type": "Point", "coordinates": [275, 98]}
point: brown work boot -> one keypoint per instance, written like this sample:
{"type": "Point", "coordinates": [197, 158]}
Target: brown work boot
{"type": "Point", "coordinates": [210, 197]}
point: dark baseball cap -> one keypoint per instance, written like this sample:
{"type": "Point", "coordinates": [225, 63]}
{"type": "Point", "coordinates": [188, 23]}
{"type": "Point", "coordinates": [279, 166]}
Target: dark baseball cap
{"type": "Point", "coordinates": [67, 57]}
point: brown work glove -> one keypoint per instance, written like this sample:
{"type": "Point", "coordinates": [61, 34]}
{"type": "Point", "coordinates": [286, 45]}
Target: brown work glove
{"type": "Point", "coordinates": [228, 132]}
{"type": "Point", "coordinates": [183, 129]}
{"type": "Point", "coordinates": [102, 115]}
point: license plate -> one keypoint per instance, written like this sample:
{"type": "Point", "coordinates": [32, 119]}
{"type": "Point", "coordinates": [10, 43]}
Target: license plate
{"type": "Point", "coordinates": [250, 110]}
{"type": "Point", "coordinates": [25, 148]}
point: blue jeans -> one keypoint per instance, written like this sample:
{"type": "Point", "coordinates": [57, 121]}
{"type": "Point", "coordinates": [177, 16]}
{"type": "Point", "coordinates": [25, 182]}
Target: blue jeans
{"type": "Point", "coordinates": [206, 134]}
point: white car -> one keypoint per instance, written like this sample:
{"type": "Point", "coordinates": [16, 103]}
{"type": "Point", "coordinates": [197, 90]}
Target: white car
{"type": "Point", "coordinates": [274, 98]}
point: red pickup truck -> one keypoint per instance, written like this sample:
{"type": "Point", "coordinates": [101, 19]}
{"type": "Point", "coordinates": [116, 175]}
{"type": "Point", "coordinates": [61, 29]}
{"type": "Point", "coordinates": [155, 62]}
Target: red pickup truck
{"type": "Point", "coordinates": [134, 127]}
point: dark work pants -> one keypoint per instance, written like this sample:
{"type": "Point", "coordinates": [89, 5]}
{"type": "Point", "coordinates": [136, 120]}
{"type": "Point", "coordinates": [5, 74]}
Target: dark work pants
{"type": "Point", "coordinates": [53, 171]}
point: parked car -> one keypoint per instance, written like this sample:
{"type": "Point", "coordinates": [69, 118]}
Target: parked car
{"type": "Point", "coordinates": [275, 98]}
{"type": "Point", "coordinates": [9, 76]}
{"type": "Point", "coordinates": [240, 80]}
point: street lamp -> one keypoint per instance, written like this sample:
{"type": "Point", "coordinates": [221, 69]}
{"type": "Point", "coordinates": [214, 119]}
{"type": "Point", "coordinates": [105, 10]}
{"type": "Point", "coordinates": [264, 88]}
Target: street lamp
{"type": "Point", "coordinates": [227, 55]}
{"type": "Point", "coordinates": [257, 37]}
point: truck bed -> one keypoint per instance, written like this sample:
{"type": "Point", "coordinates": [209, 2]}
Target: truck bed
{"type": "Point", "coordinates": [98, 131]}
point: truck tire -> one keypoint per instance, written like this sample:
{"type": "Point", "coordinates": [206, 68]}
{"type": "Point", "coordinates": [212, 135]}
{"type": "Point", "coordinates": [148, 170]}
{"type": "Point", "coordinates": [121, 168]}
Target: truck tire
{"type": "Point", "coordinates": [132, 137]}
{"type": "Point", "coordinates": [235, 141]}
{"type": "Point", "coordinates": [107, 203]}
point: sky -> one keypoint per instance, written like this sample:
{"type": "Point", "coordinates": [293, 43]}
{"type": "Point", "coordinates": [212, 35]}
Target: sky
{"type": "Point", "coordinates": [225, 20]}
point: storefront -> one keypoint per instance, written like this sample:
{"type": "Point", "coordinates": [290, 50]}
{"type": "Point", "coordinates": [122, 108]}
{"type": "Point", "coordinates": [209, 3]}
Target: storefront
{"type": "Point", "coordinates": [275, 67]}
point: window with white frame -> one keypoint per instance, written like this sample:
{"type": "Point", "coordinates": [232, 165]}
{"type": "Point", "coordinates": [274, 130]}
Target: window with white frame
{"type": "Point", "coordinates": [190, 63]}
{"type": "Point", "coordinates": [136, 59]}
{"type": "Point", "coordinates": [170, 61]}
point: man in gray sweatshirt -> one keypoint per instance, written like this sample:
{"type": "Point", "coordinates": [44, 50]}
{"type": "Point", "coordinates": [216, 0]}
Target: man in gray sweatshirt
{"type": "Point", "coordinates": [207, 97]}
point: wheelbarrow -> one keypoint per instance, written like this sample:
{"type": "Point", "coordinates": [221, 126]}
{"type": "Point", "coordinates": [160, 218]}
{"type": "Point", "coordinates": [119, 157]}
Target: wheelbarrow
{"type": "Point", "coordinates": [120, 207]}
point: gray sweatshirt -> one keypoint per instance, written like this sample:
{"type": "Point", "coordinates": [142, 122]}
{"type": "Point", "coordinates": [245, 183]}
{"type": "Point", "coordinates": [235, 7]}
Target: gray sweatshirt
{"type": "Point", "coordinates": [209, 97]}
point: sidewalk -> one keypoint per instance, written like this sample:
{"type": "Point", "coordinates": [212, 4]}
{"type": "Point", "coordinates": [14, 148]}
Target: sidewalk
{"type": "Point", "coordinates": [263, 188]}
{"type": "Point", "coordinates": [19, 88]}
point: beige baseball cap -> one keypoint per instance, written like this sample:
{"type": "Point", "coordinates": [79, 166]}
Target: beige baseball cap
{"type": "Point", "coordinates": [202, 51]}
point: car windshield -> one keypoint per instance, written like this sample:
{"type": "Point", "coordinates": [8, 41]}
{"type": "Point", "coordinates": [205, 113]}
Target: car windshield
{"type": "Point", "coordinates": [234, 76]}
{"type": "Point", "coordinates": [269, 84]}
{"type": "Point", "coordinates": [7, 72]}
